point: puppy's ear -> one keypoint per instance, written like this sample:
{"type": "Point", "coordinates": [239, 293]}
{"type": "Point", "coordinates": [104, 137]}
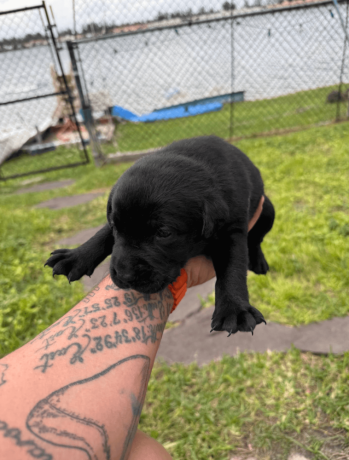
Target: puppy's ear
{"type": "Point", "coordinates": [214, 214]}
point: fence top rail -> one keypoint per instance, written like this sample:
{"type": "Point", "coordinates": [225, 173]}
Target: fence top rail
{"type": "Point", "coordinates": [229, 17]}
{"type": "Point", "coordinates": [19, 10]}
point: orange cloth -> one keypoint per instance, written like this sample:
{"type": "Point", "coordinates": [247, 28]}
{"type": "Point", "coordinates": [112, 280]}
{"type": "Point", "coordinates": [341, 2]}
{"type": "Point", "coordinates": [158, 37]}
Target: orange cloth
{"type": "Point", "coordinates": [178, 288]}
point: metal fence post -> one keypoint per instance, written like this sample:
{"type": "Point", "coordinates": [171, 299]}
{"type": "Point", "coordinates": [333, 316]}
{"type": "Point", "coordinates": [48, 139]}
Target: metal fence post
{"type": "Point", "coordinates": [86, 109]}
{"type": "Point", "coordinates": [232, 70]}
{"type": "Point", "coordinates": [50, 27]}
{"type": "Point", "coordinates": [41, 107]}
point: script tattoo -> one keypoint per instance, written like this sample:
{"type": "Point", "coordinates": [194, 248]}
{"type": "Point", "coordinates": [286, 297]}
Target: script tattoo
{"type": "Point", "coordinates": [76, 357]}
{"type": "Point", "coordinates": [3, 369]}
{"type": "Point", "coordinates": [32, 448]}
{"type": "Point", "coordinates": [72, 323]}
{"type": "Point", "coordinates": [65, 418]}
{"type": "Point", "coordinates": [91, 329]}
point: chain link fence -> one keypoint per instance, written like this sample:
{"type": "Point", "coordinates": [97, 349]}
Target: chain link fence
{"type": "Point", "coordinates": [38, 126]}
{"type": "Point", "coordinates": [156, 76]}
{"type": "Point", "coordinates": [153, 76]}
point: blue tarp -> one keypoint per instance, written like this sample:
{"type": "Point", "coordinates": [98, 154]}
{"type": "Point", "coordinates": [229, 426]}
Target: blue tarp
{"type": "Point", "coordinates": [167, 114]}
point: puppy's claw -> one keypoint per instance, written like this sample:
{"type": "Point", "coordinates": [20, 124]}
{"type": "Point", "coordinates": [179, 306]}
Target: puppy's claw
{"type": "Point", "coordinates": [53, 273]}
{"type": "Point", "coordinates": [230, 333]}
{"type": "Point", "coordinates": [251, 330]}
{"type": "Point", "coordinates": [211, 330]}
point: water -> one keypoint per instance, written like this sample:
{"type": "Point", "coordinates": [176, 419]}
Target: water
{"type": "Point", "coordinates": [273, 55]}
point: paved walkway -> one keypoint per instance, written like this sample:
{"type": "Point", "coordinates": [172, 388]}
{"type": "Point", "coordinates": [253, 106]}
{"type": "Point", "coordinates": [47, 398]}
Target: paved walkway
{"type": "Point", "coordinates": [69, 201]}
{"type": "Point", "coordinates": [45, 186]}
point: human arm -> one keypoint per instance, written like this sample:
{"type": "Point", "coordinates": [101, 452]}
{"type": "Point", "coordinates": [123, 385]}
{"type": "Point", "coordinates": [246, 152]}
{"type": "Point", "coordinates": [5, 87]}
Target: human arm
{"type": "Point", "coordinates": [77, 389]}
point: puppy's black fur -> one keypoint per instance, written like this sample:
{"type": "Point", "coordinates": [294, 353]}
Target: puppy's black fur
{"type": "Point", "coordinates": [195, 196]}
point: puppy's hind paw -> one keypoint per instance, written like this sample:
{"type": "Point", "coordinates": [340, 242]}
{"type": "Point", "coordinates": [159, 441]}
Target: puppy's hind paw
{"type": "Point", "coordinates": [244, 321]}
{"type": "Point", "coordinates": [248, 320]}
{"type": "Point", "coordinates": [257, 262]}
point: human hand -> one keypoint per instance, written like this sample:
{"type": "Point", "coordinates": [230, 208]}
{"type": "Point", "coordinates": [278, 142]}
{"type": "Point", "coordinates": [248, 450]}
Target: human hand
{"type": "Point", "coordinates": [200, 269]}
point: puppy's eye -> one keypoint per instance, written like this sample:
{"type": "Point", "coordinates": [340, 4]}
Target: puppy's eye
{"type": "Point", "coordinates": [163, 233]}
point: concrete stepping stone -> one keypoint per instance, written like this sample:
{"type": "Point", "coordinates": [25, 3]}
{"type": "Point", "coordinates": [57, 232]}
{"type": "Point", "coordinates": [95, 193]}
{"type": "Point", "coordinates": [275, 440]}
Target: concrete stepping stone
{"type": "Point", "coordinates": [325, 337]}
{"type": "Point", "coordinates": [69, 201]}
{"type": "Point", "coordinates": [32, 180]}
{"type": "Point", "coordinates": [192, 341]}
{"type": "Point", "coordinates": [45, 186]}
{"type": "Point", "coordinates": [81, 237]}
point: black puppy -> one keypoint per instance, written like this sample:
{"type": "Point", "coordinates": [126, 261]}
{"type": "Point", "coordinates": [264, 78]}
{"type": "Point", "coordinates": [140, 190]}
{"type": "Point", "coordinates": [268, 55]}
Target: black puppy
{"type": "Point", "coordinates": [195, 196]}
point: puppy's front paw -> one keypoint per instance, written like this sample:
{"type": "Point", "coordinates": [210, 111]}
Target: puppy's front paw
{"type": "Point", "coordinates": [69, 262]}
{"type": "Point", "coordinates": [233, 320]}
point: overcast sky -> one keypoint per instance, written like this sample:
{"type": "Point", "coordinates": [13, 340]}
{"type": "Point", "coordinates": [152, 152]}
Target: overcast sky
{"type": "Point", "coordinates": [62, 9]}
{"type": "Point", "coordinates": [101, 10]}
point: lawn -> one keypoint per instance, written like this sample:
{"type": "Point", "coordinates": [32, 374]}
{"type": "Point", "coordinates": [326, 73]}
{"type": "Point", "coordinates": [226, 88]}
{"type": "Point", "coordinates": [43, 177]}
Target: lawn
{"type": "Point", "coordinates": [264, 406]}
{"type": "Point", "coordinates": [269, 403]}
{"type": "Point", "coordinates": [294, 111]}
{"type": "Point", "coordinates": [248, 119]}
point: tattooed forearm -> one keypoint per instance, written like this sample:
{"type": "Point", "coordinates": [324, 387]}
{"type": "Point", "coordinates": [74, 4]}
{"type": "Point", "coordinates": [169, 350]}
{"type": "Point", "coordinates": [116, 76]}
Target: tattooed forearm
{"type": "Point", "coordinates": [97, 414]}
{"type": "Point", "coordinates": [64, 418]}
{"type": "Point", "coordinates": [111, 286]}
{"type": "Point", "coordinates": [109, 324]}
{"type": "Point", "coordinates": [98, 344]}
{"type": "Point", "coordinates": [31, 447]}
{"type": "Point", "coordinates": [91, 295]}
{"type": "Point", "coordinates": [46, 358]}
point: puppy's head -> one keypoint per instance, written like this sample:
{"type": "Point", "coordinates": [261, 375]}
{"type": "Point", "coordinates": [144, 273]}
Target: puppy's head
{"type": "Point", "coordinates": [158, 225]}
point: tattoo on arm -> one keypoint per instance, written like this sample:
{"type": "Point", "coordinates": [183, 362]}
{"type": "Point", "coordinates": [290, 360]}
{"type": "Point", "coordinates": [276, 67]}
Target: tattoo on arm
{"type": "Point", "coordinates": [3, 369]}
{"type": "Point", "coordinates": [60, 420]}
{"type": "Point", "coordinates": [89, 331]}
{"type": "Point", "coordinates": [33, 449]}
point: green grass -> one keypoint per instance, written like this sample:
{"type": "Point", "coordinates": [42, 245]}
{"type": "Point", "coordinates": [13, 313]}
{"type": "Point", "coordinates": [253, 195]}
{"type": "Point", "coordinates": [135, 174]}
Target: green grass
{"type": "Point", "coordinates": [30, 299]}
{"type": "Point", "coordinates": [27, 163]}
{"type": "Point", "coordinates": [263, 406]}
{"type": "Point", "coordinates": [294, 111]}
{"type": "Point", "coordinates": [254, 405]}
{"type": "Point", "coordinates": [307, 177]}
{"type": "Point", "coordinates": [291, 112]}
